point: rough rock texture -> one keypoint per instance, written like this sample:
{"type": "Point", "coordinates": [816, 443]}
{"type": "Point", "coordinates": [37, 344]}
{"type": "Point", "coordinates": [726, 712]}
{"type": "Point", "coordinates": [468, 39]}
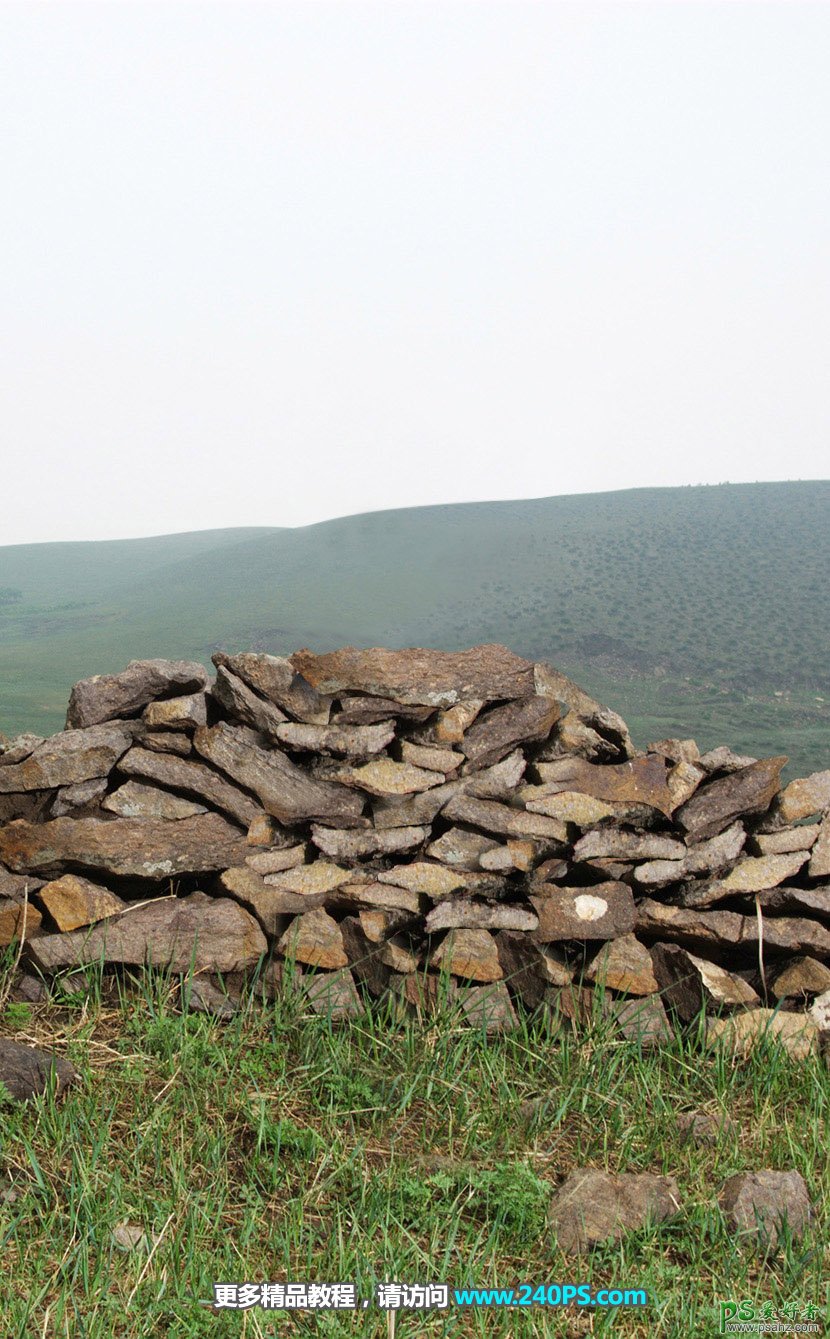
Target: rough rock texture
{"type": "Point", "coordinates": [26, 1071]}
{"type": "Point", "coordinates": [592, 1206]}
{"type": "Point", "coordinates": [759, 1204]}
{"type": "Point", "coordinates": [105, 697]}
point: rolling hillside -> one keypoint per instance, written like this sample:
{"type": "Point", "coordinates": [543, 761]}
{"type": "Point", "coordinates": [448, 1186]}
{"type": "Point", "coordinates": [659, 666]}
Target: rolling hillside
{"type": "Point", "coordinates": [691, 610]}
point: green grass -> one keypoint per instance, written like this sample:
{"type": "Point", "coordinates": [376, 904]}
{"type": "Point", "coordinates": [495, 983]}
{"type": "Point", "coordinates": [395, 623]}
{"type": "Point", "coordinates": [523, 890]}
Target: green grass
{"type": "Point", "coordinates": [697, 604]}
{"type": "Point", "coordinates": [278, 1147]}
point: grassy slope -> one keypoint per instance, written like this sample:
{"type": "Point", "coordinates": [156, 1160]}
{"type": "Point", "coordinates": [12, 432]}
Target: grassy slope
{"type": "Point", "coordinates": [692, 606]}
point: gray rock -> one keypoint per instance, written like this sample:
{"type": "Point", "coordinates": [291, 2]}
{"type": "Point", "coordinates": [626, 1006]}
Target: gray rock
{"type": "Point", "coordinates": [277, 681]}
{"type": "Point", "coordinates": [69, 758]}
{"type": "Point", "coordinates": [135, 800]}
{"type": "Point", "coordinates": [245, 705]}
{"type": "Point", "coordinates": [758, 1205]}
{"type": "Point", "coordinates": [26, 1071]}
{"type": "Point", "coordinates": [105, 697]}
{"type": "Point", "coordinates": [194, 778]}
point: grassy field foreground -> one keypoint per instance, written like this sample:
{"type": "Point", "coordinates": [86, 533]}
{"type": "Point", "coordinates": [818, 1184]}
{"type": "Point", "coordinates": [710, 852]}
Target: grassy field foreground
{"type": "Point", "coordinates": [276, 1147]}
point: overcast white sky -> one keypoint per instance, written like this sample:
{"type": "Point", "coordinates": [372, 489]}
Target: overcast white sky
{"type": "Point", "coordinates": [268, 264]}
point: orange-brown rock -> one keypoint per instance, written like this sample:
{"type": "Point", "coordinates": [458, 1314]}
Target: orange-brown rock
{"type": "Point", "coordinates": [314, 938]}
{"type": "Point", "coordinates": [419, 676]}
{"type": "Point", "coordinates": [625, 965]}
{"type": "Point", "coordinates": [689, 983]}
{"type": "Point", "coordinates": [471, 954]}
{"type": "Point", "coordinates": [18, 919]}
{"type": "Point", "coordinates": [73, 901]}
{"type": "Point", "coordinates": [640, 781]}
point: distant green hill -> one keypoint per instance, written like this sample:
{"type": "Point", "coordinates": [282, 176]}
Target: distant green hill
{"type": "Point", "coordinates": [694, 610]}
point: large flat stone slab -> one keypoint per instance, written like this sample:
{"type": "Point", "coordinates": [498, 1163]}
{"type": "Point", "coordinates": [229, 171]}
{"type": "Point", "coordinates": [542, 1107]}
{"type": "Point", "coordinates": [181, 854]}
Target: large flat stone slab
{"type": "Point", "coordinates": [418, 676]}
{"type": "Point", "coordinates": [128, 847]}
{"type": "Point", "coordinates": [211, 934]}
{"type": "Point", "coordinates": [66, 759]}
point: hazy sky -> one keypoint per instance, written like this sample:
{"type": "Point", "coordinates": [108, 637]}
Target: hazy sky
{"type": "Point", "coordinates": [268, 264]}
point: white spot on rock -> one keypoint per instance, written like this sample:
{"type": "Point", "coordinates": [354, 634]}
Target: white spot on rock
{"type": "Point", "coordinates": [590, 908]}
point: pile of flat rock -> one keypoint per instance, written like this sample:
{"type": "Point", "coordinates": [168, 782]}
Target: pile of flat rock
{"type": "Point", "coordinates": [467, 828]}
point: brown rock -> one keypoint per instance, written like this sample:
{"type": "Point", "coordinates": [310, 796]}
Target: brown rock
{"type": "Point", "coordinates": [793, 934]}
{"type": "Point", "coordinates": [73, 902]}
{"type": "Point", "coordinates": [177, 713]}
{"type": "Point", "coordinates": [571, 739]}
{"type": "Point", "coordinates": [722, 759]}
{"type": "Point", "coordinates": [356, 741]}
{"type": "Point", "coordinates": [414, 810]}
{"type": "Point", "coordinates": [269, 904]}
{"type": "Point", "coordinates": [461, 848]}
{"type": "Point", "coordinates": [264, 830]}
{"type": "Point", "coordinates": [592, 1207]}
{"type": "Point", "coordinates": [168, 741]}
{"type": "Point", "coordinates": [495, 817]}
{"type": "Point", "coordinates": [276, 680]}
{"type": "Point", "coordinates": [397, 953]}
{"type": "Point", "coordinates": [17, 886]}
{"type": "Point", "coordinates": [704, 857]}
{"type": "Point", "coordinates": [683, 780]}
{"type": "Point", "coordinates": [498, 731]}
{"type": "Point", "coordinates": [624, 965]}
{"type": "Point", "coordinates": [209, 934]}
{"type": "Point", "coordinates": [372, 895]}
{"type": "Point", "coordinates": [753, 874]}
{"type": "Point", "coordinates": [551, 683]}
{"type": "Point", "coordinates": [139, 848]}
{"type": "Point", "coordinates": [105, 697]}
{"type": "Point", "coordinates": [617, 843]}
{"type": "Point", "coordinates": [676, 750]}
{"type": "Point", "coordinates": [321, 877]}
{"type": "Point", "coordinates": [346, 844]}
{"type": "Point", "coordinates": [201, 996]}
{"type": "Point", "coordinates": [18, 919]}
{"type": "Point", "coordinates": [804, 797]}
{"type": "Point", "coordinates": [704, 1129]}
{"type": "Point", "coordinates": [314, 938]}
{"type": "Point", "coordinates": [468, 953]}
{"type": "Point", "coordinates": [488, 1007]}
{"type": "Point", "coordinates": [816, 900]}
{"type": "Point", "coordinates": [689, 984]}
{"type": "Point", "coordinates": [439, 881]}
{"type": "Point", "coordinates": [530, 968]}
{"type": "Point", "coordinates": [448, 726]}
{"type": "Point", "coordinates": [604, 911]}
{"type": "Point", "coordinates": [640, 781]}
{"type": "Point", "coordinates": [85, 794]}
{"type": "Point", "coordinates": [641, 1020]}
{"type": "Point", "coordinates": [496, 782]}
{"type": "Point", "coordinates": [384, 776]}
{"type": "Point", "coordinates": [379, 925]}
{"type": "Point", "coordinates": [717, 804]}
{"type": "Point", "coordinates": [285, 790]}
{"type": "Point", "coordinates": [423, 993]}
{"type": "Point", "coordinates": [22, 746]}
{"type": "Point", "coordinates": [800, 838]}
{"type": "Point", "coordinates": [515, 855]}
{"type": "Point", "coordinates": [273, 862]}
{"type": "Point", "coordinates": [570, 806]}
{"type": "Point", "coordinates": [797, 1033]}
{"type": "Point", "coordinates": [366, 710]}
{"type": "Point", "coordinates": [572, 1004]}
{"type": "Point", "coordinates": [32, 805]}
{"type": "Point", "coordinates": [462, 913]}
{"type": "Point", "coordinates": [820, 859]}
{"type": "Point", "coordinates": [801, 976]}
{"type": "Point", "coordinates": [334, 995]}
{"type": "Point", "coordinates": [434, 759]}
{"type": "Point", "coordinates": [64, 760]}
{"type": "Point", "coordinates": [761, 1205]}
{"type": "Point", "coordinates": [194, 778]}
{"type": "Point", "coordinates": [134, 800]}
{"type": "Point", "coordinates": [418, 676]}
{"type": "Point", "coordinates": [688, 927]}
{"type": "Point", "coordinates": [365, 956]}
{"type": "Point", "coordinates": [26, 1071]}
{"type": "Point", "coordinates": [245, 705]}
